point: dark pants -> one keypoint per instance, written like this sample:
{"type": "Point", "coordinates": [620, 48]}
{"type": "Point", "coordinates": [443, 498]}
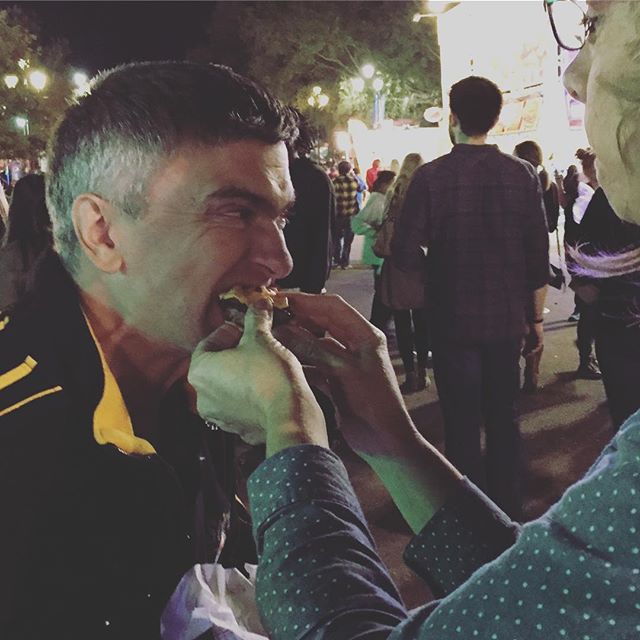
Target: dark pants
{"type": "Point", "coordinates": [342, 239]}
{"type": "Point", "coordinates": [478, 385]}
{"type": "Point", "coordinates": [412, 334]}
{"type": "Point", "coordinates": [618, 351]}
{"type": "Point", "coordinates": [586, 330]}
{"type": "Point", "coordinates": [380, 313]}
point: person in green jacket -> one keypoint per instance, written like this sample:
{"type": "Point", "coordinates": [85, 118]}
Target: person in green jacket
{"type": "Point", "coordinates": [366, 223]}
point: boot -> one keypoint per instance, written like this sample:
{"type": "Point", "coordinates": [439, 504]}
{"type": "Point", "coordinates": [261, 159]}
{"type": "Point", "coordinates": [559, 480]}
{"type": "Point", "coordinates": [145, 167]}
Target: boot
{"type": "Point", "coordinates": [589, 369]}
{"type": "Point", "coordinates": [410, 384]}
{"type": "Point", "coordinates": [422, 380]}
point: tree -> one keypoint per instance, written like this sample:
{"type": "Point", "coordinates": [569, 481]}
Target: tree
{"type": "Point", "coordinates": [21, 54]}
{"type": "Point", "coordinates": [292, 46]}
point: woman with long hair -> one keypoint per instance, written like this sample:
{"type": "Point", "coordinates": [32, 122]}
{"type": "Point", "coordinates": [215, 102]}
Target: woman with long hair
{"type": "Point", "coordinates": [28, 235]}
{"type": "Point", "coordinates": [531, 151]}
{"type": "Point", "coordinates": [404, 293]}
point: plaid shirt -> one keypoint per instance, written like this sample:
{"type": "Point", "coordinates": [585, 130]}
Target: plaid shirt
{"type": "Point", "coordinates": [481, 215]}
{"type": "Point", "coordinates": [346, 188]}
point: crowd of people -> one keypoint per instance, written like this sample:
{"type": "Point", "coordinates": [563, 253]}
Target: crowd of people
{"type": "Point", "coordinates": [124, 383]}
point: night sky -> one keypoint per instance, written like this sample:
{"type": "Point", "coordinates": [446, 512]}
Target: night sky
{"type": "Point", "coordinates": [104, 34]}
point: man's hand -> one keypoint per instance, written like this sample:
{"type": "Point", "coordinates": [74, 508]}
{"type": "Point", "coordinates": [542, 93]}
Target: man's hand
{"type": "Point", "coordinates": [533, 339]}
{"type": "Point", "coordinates": [355, 360]}
{"type": "Point", "coordinates": [251, 385]}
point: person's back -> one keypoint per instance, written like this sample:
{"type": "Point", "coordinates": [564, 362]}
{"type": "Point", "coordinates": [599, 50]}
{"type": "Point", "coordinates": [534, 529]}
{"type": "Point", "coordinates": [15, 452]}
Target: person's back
{"type": "Point", "coordinates": [28, 235]}
{"type": "Point", "coordinates": [308, 233]}
{"type": "Point", "coordinates": [480, 214]}
{"type": "Point", "coordinates": [484, 210]}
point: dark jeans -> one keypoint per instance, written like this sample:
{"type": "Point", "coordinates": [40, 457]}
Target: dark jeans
{"type": "Point", "coordinates": [618, 351]}
{"type": "Point", "coordinates": [586, 330]}
{"type": "Point", "coordinates": [478, 384]}
{"type": "Point", "coordinates": [412, 333]}
{"type": "Point", "coordinates": [380, 313]}
{"type": "Point", "coordinates": [342, 239]}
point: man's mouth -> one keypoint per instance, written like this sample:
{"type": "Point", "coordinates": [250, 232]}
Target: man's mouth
{"type": "Point", "coordinates": [234, 303]}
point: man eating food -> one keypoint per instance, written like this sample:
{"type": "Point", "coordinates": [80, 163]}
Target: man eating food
{"type": "Point", "coordinates": [168, 186]}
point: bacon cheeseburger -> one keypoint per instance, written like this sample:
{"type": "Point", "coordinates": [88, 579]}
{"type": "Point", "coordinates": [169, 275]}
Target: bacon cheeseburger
{"type": "Point", "coordinates": [234, 304]}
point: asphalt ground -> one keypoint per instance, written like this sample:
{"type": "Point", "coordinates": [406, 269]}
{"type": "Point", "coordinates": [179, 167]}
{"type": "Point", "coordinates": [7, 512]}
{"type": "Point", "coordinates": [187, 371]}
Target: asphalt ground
{"type": "Point", "coordinates": [564, 425]}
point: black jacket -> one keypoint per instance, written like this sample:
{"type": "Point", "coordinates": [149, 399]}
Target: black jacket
{"type": "Point", "coordinates": [308, 234]}
{"type": "Point", "coordinates": [93, 540]}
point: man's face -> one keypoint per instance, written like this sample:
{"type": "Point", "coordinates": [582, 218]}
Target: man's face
{"type": "Point", "coordinates": [606, 76]}
{"type": "Point", "coordinates": [213, 220]}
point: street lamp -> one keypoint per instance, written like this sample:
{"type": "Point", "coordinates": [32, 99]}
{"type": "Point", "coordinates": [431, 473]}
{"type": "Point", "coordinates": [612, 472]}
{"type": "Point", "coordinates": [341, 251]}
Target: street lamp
{"type": "Point", "coordinates": [317, 99]}
{"type": "Point", "coordinates": [367, 71]}
{"type": "Point", "coordinates": [38, 79]}
{"type": "Point", "coordinates": [81, 81]}
{"type": "Point", "coordinates": [11, 80]}
{"type": "Point", "coordinates": [22, 123]}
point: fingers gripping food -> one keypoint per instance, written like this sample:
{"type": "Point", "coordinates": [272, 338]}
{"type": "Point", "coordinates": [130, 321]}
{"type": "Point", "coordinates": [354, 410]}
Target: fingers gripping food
{"type": "Point", "coordinates": [235, 301]}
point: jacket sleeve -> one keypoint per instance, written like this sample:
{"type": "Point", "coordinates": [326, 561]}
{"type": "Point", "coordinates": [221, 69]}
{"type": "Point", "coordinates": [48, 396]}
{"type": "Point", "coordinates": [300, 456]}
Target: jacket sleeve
{"type": "Point", "coordinates": [319, 572]}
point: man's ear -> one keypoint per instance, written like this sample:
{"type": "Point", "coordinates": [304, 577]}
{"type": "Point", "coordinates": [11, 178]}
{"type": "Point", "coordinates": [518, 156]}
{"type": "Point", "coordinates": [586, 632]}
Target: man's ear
{"type": "Point", "coordinates": [92, 220]}
{"type": "Point", "coordinates": [453, 119]}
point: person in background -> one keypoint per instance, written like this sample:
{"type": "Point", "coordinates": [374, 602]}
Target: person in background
{"type": "Point", "coordinates": [367, 222]}
{"type": "Point", "coordinates": [362, 186]}
{"type": "Point", "coordinates": [531, 151]}
{"type": "Point", "coordinates": [346, 189]}
{"type": "Point", "coordinates": [579, 188]}
{"type": "Point", "coordinates": [573, 573]}
{"type": "Point", "coordinates": [615, 301]}
{"type": "Point", "coordinates": [4, 213]}
{"type": "Point", "coordinates": [395, 165]}
{"type": "Point", "coordinates": [28, 236]}
{"type": "Point", "coordinates": [481, 216]}
{"type": "Point", "coordinates": [372, 173]}
{"type": "Point", "coordinates": [404, 293]}
{"type": "Point", "coordinates": [308, 232]}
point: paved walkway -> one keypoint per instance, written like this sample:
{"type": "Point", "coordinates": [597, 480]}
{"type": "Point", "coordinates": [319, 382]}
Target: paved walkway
{"type": "Point", "coordinates": [564, 426]}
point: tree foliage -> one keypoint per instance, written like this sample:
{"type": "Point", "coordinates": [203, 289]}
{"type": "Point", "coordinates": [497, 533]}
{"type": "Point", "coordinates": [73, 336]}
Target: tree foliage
{"type": "Point", "coordinates": [19, 41]}
{"type": "Point", "coordinates": [292, 46]}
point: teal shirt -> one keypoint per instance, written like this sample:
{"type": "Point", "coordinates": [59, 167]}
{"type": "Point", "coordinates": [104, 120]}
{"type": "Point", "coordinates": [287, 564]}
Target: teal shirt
{"type": "Point", "coordinates": [366, 223]}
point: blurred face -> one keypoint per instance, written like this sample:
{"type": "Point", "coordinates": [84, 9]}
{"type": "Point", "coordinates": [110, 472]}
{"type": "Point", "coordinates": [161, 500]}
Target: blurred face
{"type": "Point", "coordinates": [606, 76]}
{"type": "Point", "coordinates": [214, 220]}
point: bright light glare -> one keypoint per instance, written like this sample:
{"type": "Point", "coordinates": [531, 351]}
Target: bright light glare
{"type": "Point", "coordinates": [343, 141]}
{"type": "Point", "coordinates": [323, 100]}
{"type": "Point", "coordinates": [80, 79]}
{"type": "Point", "coordinates": [22, 63]}
{"type": "Point", "coordinates": [11, 81]}
{"type": "Point", "coordinates": [38, 80]}
{"type": "Point", "coordinates": [21, 122]}
{"type": "Point", "coordinates": [357, 84]}
{"type": "Point", "coordinates": [417, 17]}
{"type": "Point", "coordinates": [367, 71]}
{"type": "Point", "coordinates": [311, 101]}
{"type": "Point", "coordinates": [377, 84]}
{"type": "Point", "coordinates": [316, 90]}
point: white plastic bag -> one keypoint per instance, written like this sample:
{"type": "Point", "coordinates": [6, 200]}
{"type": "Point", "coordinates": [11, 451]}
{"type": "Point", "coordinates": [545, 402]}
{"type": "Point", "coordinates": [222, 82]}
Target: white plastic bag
{"type": "Point", "coordinates": [212, 597]}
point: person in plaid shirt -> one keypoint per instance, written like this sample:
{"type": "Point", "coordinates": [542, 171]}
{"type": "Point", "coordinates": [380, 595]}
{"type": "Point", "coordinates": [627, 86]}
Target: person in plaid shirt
{"type": "Point", "coordinates": [480, 214]}
{"type": "Point", "coordinates": [346, 188]}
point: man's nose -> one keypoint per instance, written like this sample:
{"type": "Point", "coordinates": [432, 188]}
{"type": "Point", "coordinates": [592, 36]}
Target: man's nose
{"type": "Point", "coordinates": [269, 249]}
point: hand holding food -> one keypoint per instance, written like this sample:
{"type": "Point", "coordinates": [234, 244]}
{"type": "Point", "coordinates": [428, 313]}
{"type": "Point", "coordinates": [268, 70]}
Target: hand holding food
{"type": "Point", "coordinates": [256, 389]}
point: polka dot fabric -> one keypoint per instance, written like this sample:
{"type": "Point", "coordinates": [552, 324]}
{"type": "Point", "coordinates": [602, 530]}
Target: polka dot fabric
{"type": "Point", "coordinates": [464, 534]}
{"type": "Point", "coordinates": [575, 573]}
{"type": "Point", "coordinates": [318, 565]}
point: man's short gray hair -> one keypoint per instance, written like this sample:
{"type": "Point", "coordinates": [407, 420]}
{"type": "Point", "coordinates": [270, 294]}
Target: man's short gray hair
{"type": "Point", "coordinates": [110, 141]}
